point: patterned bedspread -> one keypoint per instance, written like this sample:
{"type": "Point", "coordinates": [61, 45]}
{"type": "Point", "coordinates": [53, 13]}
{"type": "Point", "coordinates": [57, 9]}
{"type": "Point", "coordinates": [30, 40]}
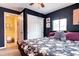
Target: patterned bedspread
{"type": "Point", "coordinates": [50, 47]}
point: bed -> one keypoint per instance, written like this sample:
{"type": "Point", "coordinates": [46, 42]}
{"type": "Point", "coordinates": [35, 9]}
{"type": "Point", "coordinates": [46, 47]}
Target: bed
{"type": "Point", "coordinates": [50, 46]}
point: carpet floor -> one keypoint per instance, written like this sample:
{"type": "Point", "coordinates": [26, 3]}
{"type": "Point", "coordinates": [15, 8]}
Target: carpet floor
{"type": "Point", "coordinates": [10, 52]}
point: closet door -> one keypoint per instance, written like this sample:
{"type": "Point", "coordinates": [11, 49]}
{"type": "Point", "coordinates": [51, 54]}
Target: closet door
{"type": "Point", "coordinates": [34, 27]}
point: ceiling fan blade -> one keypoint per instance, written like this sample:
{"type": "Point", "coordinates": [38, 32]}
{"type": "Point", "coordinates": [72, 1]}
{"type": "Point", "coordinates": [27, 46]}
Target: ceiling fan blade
{"type": "Point", "coordinates": [31, 3]}
{"type": "Point", "coordinates": [42, 5]}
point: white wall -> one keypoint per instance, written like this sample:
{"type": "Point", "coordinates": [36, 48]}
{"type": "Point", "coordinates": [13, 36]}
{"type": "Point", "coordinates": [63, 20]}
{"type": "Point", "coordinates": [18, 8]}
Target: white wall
{"type": "Point", "coordinates": [34, 27]}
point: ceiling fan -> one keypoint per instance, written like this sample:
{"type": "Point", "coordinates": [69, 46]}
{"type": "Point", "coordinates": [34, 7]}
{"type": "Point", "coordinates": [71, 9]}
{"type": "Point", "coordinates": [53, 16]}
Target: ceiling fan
{"type": "Point", "coordinates": [41, 4]}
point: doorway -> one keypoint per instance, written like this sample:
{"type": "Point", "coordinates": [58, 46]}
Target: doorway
{"type": "Point", "coordinates": [10, 29]}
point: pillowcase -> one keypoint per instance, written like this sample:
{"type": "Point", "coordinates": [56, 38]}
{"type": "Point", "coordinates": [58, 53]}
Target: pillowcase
{"type": "Point", "coordinates": [60, 36]}
{"type": "Point", "coordinates": [57, 35]}
{"type": "Point", "coordinates": [63, 36]}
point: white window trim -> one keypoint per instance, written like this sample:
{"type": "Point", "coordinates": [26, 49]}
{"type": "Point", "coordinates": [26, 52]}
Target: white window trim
{"type": "Point", "coordinates": [59, 25]}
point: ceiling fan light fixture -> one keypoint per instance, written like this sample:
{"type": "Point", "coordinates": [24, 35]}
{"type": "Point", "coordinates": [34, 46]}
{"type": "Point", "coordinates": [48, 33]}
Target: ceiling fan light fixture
{"type": "Point", "coordinates": [39, 5]}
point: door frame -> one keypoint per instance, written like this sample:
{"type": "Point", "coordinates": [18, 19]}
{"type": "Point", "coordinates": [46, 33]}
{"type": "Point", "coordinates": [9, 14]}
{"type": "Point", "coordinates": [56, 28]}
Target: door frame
{"type": "Point", "coordinates": [5, 42]}
{"type": "Point", "coordinates": [21, 26]}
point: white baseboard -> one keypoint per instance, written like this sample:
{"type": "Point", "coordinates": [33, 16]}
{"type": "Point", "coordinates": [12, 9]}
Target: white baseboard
{"type": "Point", "coordinates": [2, 47]}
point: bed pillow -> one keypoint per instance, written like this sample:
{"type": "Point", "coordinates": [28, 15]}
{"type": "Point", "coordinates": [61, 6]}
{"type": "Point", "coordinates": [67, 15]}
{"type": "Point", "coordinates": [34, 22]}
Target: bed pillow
{"type": "Point", "coordinates": [60, 35]}
{"type": "Point", "coordinates": [63, 36]}
{"type": "Point", "coordinates": [57, 35]}
{"type": "Point", "coordinates": [73, 36]}
{"type": "Point", "coordinates": [51, 34]}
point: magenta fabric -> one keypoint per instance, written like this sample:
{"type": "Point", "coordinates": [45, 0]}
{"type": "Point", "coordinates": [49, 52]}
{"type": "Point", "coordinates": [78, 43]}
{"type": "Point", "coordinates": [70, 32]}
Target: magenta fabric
{"type": "Point", "coordinates": [73, 36]}
{"type": "Point", "coordinates": [51, 34]}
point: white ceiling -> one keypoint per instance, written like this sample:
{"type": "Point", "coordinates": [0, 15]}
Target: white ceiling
{"type": "Point", "coordinates": [49, 7]}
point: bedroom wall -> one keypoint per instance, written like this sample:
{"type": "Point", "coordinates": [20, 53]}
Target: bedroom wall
{"type": "Point", "coordinates": [2, 10]}
{"type": "Point", "coordinates": [64, 13]}
{"type": "Point", "coordinates": [25, 12]}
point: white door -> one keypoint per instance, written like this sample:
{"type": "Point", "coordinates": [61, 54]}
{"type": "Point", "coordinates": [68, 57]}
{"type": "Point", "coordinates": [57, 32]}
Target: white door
{"type": "Point", "coordinates": [34, 27]}
{"type": "Point", "coordinates": [20, 28]}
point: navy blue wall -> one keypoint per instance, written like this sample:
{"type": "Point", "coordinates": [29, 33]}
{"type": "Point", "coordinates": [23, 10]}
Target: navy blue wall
{"type": "Point", "coordinates": [2, 10]}
{"type": "Point", "coordinates": [1, 29]}
{"type": "Point", "coordinates": [25, 12]}
{"type": "Point", "coordinates": [64, 13]}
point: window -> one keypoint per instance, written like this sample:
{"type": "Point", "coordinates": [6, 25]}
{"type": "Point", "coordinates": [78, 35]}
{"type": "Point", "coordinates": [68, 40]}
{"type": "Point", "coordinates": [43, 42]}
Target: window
{"type": "Point", "coordinates": [60, 24]}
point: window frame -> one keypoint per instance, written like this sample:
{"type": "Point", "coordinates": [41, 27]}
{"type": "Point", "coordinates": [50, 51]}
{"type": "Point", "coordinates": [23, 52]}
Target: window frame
{"type": "Point", "coordinates": [59, 24]}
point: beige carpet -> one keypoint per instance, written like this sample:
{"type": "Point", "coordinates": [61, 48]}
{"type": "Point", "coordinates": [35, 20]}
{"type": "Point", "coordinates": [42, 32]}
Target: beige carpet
{"type": "Point", "coordinates": [10, 52]}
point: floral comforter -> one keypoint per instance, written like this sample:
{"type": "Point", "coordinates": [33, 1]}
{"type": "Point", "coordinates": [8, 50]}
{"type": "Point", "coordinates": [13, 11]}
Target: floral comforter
{"type": "Point", "coordinates": [50, 47]}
